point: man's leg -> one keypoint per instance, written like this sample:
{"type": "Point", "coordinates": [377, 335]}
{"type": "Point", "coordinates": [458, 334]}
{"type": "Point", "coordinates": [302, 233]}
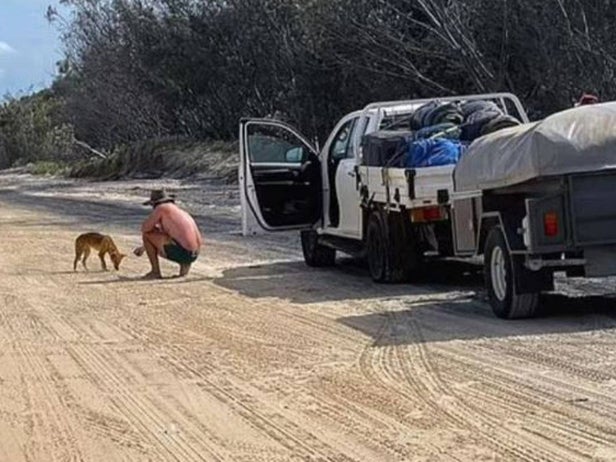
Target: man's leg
{"type": "Point", "coordinates": [154, 243]}
{"type": "Point", "coordinates": [184, 269]}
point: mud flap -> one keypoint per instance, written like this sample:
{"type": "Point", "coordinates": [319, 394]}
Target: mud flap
{"type": "Point", "coordinates": [529, 282]}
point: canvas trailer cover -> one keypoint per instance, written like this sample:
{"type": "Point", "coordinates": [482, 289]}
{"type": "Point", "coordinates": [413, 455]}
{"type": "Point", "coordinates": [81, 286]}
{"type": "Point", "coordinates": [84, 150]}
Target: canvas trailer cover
{"type": "Point", "coordinates": [577, 140]}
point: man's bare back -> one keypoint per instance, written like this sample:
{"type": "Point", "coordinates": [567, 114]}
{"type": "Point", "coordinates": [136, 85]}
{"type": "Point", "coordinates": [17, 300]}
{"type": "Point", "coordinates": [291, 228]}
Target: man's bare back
{"type": "Point", "coordinates": [176, 223]}
{"type": "Point", "coordinates": [169, 232]}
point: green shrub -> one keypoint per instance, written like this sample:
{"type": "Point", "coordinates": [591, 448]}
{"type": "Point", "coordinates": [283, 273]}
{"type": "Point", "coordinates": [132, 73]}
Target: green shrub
{"type": "Point", "coordinates": [47, 167]}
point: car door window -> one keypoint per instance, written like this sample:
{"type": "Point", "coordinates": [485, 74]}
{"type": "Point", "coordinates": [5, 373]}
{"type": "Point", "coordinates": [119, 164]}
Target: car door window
{"type": "Point", "coordinates": [341, 146]}
{"type": "Point", "coordinates": [273, 144]}
{"type": "Point", "coordinates": [349, 151]}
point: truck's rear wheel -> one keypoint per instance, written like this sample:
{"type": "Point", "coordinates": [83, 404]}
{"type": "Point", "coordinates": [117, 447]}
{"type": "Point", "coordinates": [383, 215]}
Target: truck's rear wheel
{"type": "Point", "coordinates": [392, 254]}
{"type": "Point", "coordinates": [500, 273]}
{"type": "Point", "coordinates": [375, 241]}
{"type": "Point", "coordinates": [315, 254]}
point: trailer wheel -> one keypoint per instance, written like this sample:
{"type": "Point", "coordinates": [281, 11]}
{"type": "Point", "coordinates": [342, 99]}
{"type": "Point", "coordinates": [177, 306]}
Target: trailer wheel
{"type": "Point", "coordinates": [500, 273]}
{"type": "Point", "coordinates": [315, 254]}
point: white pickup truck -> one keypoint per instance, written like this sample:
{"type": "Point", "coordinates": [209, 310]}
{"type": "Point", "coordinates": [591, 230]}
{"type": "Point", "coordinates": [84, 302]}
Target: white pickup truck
{"type": "Point", "coordinates": [529, 218]}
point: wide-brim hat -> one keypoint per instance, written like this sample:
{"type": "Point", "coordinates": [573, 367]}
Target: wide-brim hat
{"type": "Point", "coordinates": [159, 196]}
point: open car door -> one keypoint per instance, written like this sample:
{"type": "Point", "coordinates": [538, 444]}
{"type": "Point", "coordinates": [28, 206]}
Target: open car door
{"type": "Point", "coordinates": [280, 175]}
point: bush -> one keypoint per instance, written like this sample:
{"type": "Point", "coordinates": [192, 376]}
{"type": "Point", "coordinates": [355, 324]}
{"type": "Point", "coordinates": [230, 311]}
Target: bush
{"type": "Point", "coordinates": [47, 168]}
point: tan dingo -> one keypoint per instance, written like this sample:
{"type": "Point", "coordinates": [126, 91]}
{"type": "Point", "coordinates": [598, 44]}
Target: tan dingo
{"type": "Point", "coordinates": [104, 245]}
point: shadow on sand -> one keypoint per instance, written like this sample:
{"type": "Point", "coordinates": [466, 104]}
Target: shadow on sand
{"type": "Point", "coordinates": [347, 281]}
{"type": "Point", "coordinates": [142, 279]}
{"type": "Point", "coordinates": [472, 319]}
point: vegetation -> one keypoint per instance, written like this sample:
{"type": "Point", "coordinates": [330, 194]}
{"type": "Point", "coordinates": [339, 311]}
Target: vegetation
{"type": "Point", "coordinates": [140, 70]}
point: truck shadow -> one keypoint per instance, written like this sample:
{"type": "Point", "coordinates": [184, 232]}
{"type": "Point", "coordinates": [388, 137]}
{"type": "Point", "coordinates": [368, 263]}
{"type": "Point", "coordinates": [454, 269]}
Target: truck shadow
{"type": "Point", "coordinates": [349, 280]}
{"type": "Point", "coordinates": [472, 319]}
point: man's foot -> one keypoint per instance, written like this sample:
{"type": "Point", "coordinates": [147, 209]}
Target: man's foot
{"type": "Point", "coordinates": [139, 251]}
{"type": "Point", "coordinates": [152, 275]}
{"type": "Point", "coordinates": [184, 269]}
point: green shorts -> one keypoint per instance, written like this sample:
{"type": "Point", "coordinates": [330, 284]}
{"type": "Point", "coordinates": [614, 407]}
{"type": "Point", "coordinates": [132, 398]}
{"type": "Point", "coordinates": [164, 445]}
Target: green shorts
{"type": "Point", "coordinates": [175, 252]}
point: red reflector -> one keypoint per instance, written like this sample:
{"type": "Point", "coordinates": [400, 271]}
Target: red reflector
{"type": "Point", "coordinates": [432, 213]}
{"type": "Point", "coordinates": [425, 214]}
{"type": "Point", "coordinates": [550, 224]}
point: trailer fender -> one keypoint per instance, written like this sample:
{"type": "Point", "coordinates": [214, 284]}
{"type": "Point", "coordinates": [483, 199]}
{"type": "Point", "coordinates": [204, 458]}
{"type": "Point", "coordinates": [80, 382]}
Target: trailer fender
{"type": "Point", "coordinates": [527, 281]}
{"type": "Point", "coordinates": [509, 225]}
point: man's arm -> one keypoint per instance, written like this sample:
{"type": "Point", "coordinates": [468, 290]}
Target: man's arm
{"type": "Point", "coordinates": [151, 223]}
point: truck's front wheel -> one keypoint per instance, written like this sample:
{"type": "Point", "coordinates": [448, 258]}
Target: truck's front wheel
{"type": "Point", "coordinates": [315, 254]}
{"type": "Point", "coordinates": [500, 273]}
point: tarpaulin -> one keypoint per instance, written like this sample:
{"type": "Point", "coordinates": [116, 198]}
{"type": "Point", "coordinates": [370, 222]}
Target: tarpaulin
{"type": "Point", "coordinates": [576, 140]}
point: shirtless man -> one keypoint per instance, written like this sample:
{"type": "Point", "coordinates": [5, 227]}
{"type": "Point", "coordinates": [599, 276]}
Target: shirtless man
{"type": "Point", "coordinates": [169, 232]}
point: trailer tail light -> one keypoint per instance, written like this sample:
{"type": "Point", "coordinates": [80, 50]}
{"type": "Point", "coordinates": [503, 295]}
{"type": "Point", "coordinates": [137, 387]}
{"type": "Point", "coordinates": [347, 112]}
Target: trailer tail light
{"type": "Point", "coordinates": [550, 224]}
{"type": "Point", "coordinates": [427, 214]}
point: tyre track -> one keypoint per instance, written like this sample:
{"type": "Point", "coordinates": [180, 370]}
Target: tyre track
{"type": "Point", "coordinates": [375, 367]}
{"type": "Point", "coordinates": [279, 428]}
{"type": "Point", "coordinates": [39, 386]}
{"type": "Point", "coordinates": [105, 368]}
{"type": "Point", "coordinates": [419, 372]}
{"type": "Point", "coordinates": [542, 393]}
{"type": "Point", "coordinates": [269, 421]}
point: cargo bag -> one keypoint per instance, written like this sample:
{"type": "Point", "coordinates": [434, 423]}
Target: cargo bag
{"type": "Point", "coordinates": [385, 148]}
{"type": "Point", "coordinates": [433, 153]}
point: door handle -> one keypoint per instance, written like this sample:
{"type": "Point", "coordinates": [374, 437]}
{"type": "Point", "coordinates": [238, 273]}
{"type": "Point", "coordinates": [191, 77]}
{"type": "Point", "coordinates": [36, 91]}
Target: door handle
{"type": "Point", "coordinates": [351, 174]}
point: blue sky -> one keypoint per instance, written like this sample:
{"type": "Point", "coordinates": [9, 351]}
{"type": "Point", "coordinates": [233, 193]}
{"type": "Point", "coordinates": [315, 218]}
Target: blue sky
{"type": "Point", "coordinates": [29, 46]}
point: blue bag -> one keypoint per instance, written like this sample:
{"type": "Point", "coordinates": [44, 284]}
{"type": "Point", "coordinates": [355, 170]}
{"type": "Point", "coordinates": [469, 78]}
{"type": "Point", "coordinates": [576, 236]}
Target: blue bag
{"type": "Point", "coordinates": [433, 153]}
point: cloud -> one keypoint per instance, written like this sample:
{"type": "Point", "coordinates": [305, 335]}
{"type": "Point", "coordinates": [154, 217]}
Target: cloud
{"type": "Point", "coordinates": [5, 48]}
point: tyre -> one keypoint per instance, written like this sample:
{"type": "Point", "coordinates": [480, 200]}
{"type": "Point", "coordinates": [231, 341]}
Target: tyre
{"type": "Point", "coordinates": [500, 273]}
{"type": "Point", "coordinates": [375, 242]}
{"type": "Point", "coordinates": [392, 255]}
{"type": "Point", "coordinates": [315, 254]}
{"type": "Point", "coordinates": [444, 239]}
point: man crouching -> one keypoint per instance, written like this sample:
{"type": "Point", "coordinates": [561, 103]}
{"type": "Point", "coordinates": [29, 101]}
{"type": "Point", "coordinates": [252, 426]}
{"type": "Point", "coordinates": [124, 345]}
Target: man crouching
{"type": "Point", "coordinates": [169, 232]}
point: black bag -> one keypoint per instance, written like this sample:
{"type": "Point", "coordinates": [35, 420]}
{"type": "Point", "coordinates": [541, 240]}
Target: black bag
{"type": "Point", "coordinates": [474, 123]}
{"type": "Point", "coordinates": [385, 148]}
{"type": "Point", "coordinates": [502, 121]}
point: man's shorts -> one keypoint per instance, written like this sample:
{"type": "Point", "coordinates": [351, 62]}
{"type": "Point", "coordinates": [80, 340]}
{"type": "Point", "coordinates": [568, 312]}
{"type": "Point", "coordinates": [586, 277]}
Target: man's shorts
{"type": "Point", "coordinates": [175, 252]}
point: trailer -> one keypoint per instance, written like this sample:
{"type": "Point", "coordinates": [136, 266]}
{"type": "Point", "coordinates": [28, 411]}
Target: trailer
{"type": "Point", "coordinates": [539, 199]}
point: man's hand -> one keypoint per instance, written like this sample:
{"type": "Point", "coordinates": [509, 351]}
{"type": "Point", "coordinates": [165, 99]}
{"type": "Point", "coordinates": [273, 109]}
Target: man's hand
{"type": "Point", "coordinates": [139, 251]}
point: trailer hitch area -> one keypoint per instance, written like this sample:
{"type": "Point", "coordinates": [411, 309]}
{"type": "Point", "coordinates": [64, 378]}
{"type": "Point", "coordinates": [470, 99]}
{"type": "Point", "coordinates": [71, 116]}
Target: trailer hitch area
{"type": "Point", "coordinates": [538, 263]}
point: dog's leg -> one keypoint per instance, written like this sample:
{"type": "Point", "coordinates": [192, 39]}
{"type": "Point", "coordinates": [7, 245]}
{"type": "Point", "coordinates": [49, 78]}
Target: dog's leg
{"type": "Point", "coordinates": [101, 255]}
{"type": "Point", "coordinates": [86, 254]}
{"type": "Point", "coordinates": [77, 257]}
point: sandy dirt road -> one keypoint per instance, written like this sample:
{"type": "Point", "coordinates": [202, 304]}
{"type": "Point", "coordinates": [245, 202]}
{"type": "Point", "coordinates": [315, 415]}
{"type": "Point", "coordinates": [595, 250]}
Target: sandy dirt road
{"type": "Point", "coordinates": [255, 357]}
